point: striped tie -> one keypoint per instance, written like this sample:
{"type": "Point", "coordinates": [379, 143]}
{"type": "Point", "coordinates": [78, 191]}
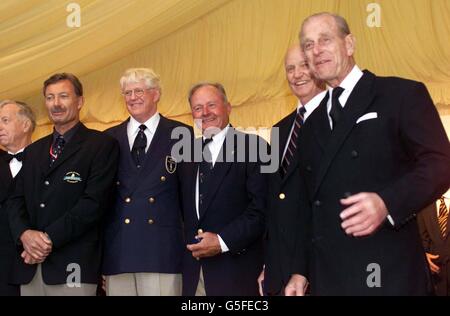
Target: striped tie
{"type": "Point", "coordinates": [443, 217]}
{"type": "Point", "coordinates": [292, 146]}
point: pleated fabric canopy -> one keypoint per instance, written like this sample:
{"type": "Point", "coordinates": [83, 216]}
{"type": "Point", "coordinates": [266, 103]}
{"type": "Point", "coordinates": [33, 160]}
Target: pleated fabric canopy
{"type": "Point", "coordinates": [240, 43]}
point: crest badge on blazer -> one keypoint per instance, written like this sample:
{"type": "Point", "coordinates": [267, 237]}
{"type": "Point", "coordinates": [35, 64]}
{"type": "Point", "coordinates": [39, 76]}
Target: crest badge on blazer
{"type": "Point", "coordinates": [72, 177]}
{"type": "Point", "coordinates": [171, 164]}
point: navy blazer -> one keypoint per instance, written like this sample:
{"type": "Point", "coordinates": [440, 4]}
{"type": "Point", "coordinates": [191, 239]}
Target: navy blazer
{"type": "Point", "coordinates": [143, 233]}
{"type": "Point", "coordinates": [283, 216]}
{"type": "Point", "coordinates": [67, 201]}
{"type": "Point", "coordinates": [402, 153]}
{"type": "Point", "coordinates": [235, 210]}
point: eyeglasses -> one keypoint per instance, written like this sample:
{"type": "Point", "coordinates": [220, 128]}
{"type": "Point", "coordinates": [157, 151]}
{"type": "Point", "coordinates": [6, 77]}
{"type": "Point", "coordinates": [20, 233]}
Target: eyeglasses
{"type": "Point", "coordinates": [137, 92]}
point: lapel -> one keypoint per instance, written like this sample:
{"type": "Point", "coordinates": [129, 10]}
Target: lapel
{"type": "Point", "coordinates": [360, 98]}
{"type": "Point", "coordinates": [5, 176]}
{"type": "Point", "coordinates": [432, 223]}
{"type": "Point", "coordinates": [156, 152]}
{"type": "Point", "coordinates": [219, 171]}
{"type": "Point", "coordinates": [285, 131]}
{"type": "Point", "coordinates": [321, 125]}
{"type": "Point", "coordinates": [69, 150]}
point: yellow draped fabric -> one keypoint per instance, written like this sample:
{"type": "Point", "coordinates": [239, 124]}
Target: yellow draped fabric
{"type": "Point", "coordinates": [240, 43]}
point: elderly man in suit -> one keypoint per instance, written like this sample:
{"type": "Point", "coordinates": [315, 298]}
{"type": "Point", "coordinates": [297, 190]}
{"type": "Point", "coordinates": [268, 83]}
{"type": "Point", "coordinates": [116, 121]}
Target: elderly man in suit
{"type": "Point", "coordinates": [372, 153]}
{"type": "Point", "coordinates": [17, 123]}
{"type": "Point", "coordinates": [434, 228]}
{"type": "Point", "coordinates": [223, 202]}
{"type": "Point", "coordinates": [60, 198]}
{"type": "Point", "coordinates": [144, 239]}
{"type": "Point", "coordinates": [283, 199]}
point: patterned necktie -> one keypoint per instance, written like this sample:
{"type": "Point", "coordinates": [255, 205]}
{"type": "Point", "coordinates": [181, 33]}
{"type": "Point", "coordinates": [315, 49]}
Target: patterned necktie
{"type": "Point", "coordinates": [56, 149]}
{"type": "Point", "coordinates": [292, 146]}
{"type": "Point", "coordinates": [336, 107]}
{"type": "Point", "coordinates": [204, 170]}
{"type": "Point", "coordinates": [443, 217]}
{"type": "Point", "coordinates": [139, 145]}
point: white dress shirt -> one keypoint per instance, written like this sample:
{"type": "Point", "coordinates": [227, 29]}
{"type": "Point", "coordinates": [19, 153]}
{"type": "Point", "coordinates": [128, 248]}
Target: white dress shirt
{"type": "Point", "coordinates": [15, 165]}
{"type": "Point", "coordinates": [214, 146]}
{"type": "Point", "coordinates": [133, 129]}
{"type": "Point", "coordinates": [309, 107]}
{"type": "Point", "coordinates": [348, 84]}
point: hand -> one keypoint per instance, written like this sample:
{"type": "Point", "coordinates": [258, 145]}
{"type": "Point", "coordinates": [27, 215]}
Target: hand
{"type": "Point", "coordinates": [36, 244]}
{"type": "Point", "coordinates": [104, 283]}
{"type": "Point", "coordinates": [28, 259]}
{"type": "Point", "coordinates": [208, 246]}
{"type": "Point", "coordinates": [433, 267]}
{"type": "Point", "coordinates": [260, 282]}
{"type": "Point", "coordinates": [296, 286]}
{"type": "Point", "coordinates": [364, 214]}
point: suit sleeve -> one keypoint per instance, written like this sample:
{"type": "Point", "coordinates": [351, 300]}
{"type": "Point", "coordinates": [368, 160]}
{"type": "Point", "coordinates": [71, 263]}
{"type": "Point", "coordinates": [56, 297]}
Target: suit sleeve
{"type": "Point", "coordinates": [424, 234]}
{"type": "Point", "coordinates": [91, 206]}
{"type": "Point", "coordinates": [424, 139]}
{"type": "Point", "coordinates": [19, 220]}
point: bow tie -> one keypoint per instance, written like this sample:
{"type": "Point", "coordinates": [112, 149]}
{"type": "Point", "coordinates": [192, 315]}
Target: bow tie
{"type": "Point", "coordinates": [10, 157]}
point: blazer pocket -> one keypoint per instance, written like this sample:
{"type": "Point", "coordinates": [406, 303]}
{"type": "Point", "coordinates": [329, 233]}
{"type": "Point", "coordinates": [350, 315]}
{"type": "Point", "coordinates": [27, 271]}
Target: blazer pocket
{"type": "Point", "coordinates": [367, 116]}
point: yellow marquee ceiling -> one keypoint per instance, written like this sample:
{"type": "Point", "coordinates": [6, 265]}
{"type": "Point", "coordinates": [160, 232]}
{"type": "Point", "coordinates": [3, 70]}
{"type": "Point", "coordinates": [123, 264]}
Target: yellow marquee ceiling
{"type": "Point", "coordinates": [37, 42]}
{"type": "Point", "coordinates": [240, 43]}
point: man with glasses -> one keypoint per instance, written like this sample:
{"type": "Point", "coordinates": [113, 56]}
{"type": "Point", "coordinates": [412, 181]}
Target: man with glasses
{"type": "Point", "coordinates": [143, 237]}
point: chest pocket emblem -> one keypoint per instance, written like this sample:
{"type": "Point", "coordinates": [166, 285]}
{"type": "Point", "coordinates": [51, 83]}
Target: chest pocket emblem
{"type": "Point", "coordinates": [72, 177]}
{"type": "Point", "coordinates": [171, 164]}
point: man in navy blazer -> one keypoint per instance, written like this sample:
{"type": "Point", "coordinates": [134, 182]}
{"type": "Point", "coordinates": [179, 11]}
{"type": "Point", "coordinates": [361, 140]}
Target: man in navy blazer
{"type": "Point", "coordinates": [372, 154]}
{"type": "Point", "coordinates": [60, 197]}
{"type": "Point", "coordinates": [17, 123]}
{"type": "Point", "coordinates": [223, 202]}
{"type": "Point", "coordinates": [283, 214]}
{"type": "Point", "coordinates": [143, 234]}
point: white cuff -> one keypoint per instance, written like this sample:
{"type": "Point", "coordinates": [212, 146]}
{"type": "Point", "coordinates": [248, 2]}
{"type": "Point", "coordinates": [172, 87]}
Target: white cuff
{"type": "Point", "coordinates": [223, 246]}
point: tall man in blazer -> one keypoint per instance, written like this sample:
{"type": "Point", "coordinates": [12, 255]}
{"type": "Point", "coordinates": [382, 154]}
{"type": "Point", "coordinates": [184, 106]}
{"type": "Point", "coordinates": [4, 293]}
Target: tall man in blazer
{"type": "Point", "coordinates": [372, 153]}
{"type": "Point", "coordinates": [144, 238]}
{"type": "Point", "coordinates": [283, 199]}
{"type": "Point", "coordinates": [223, 202]}
{"type": "Point", "coordinates": [60, 198]}
{"type": "Point", "coordinates": [434, 229]}
{"type": "Point", "coordinates": [17, 123]}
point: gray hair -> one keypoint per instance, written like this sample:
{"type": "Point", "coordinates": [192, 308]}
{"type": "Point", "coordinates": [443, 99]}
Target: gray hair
{"type": "Point", "coordinates": [341, 23]}
{"type": "Point", "coordinates": [219, 87]}
{"type": "Point", "coordinates": [25, 111]}
{"type": "Point", "coordinates": [136, 75]}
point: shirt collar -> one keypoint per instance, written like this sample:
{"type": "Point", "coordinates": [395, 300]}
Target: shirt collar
{"type": "Point", "coordinates": [67, 135]}
{"type": "Point", "coordinates": [151, 124]}
{"type": "Point", "coordinates": [311, 105]}
{"type": "Point", "coordinates": [350, 81]}
{"type": "Point", "coordinates": [219, 137]}
{"type": "Point", "coordinates": [17, 152]}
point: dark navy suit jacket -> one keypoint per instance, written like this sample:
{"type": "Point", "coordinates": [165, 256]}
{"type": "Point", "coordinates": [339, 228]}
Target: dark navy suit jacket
{"type": "Point", "coordinates": [143, 232]}
{"type": "Point", "coordinates": [234, 210]}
